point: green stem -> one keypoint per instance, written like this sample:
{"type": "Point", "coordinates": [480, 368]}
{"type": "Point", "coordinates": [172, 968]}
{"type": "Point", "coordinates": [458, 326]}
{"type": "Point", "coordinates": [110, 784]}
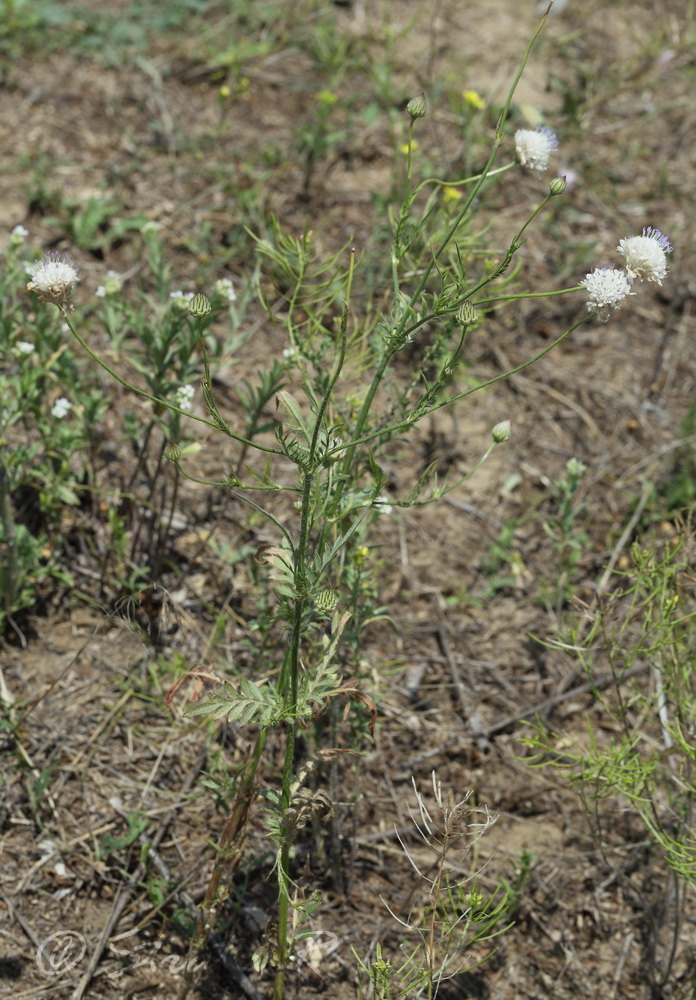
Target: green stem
{"type": "Point", "coordinates": [288, 687]}
{"type": "Point", "coordinates": [477, 388]}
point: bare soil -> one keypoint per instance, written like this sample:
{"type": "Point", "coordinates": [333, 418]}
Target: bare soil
{"type": "Point", "coordinates": [456, 677]}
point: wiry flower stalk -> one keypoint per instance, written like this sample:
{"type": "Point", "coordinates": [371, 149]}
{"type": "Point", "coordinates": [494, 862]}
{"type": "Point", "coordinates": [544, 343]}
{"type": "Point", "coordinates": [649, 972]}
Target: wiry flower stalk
{"type": "Point", "coordinates": [457, 913]}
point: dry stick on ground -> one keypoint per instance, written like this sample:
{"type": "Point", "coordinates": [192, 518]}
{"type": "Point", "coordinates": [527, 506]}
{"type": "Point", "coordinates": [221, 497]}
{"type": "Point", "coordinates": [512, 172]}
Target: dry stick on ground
{"type": "Point", "coordinates": [546, 706]}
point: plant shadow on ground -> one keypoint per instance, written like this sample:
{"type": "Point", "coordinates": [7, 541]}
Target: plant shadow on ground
{"type": "Point", "coordinates": [96, 759]}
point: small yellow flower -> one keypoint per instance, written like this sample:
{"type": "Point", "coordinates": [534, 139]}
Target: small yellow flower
{"type": "Point", "coordinates": [404, 147]}
{"type": "Point", "coordinates": [361, 554]}
{"type": "Point", "coordinates": [451, 193]}
{"type": "Point", "coordinates": [224, 92]}
{"type": "Point", "coordinates": [473, 99]}
{"type": "Point", "coordinates": [327, 97]}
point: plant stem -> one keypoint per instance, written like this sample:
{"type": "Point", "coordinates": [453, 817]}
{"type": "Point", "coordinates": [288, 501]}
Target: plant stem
{"type": "Point", "coordinates": [229, 849]}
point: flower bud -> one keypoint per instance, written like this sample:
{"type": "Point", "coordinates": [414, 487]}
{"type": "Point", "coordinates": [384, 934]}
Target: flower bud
{"type": "Point", "coordinates": [199, 305]}
{"type": "Point", "coordinates": [172, 452]}
{"type": "Point", "coordinates": [417, 107]}
{"type": "Point", "coordinates": [467, 314]}
{"type": "Point", "coordinates": [327, 601]}
{"type": "Point", "coordinates": [557, 186]}
{"type": "Point", "coordinates": [502, 431]}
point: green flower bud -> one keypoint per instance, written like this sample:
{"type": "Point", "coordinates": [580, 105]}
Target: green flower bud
{"type": "Point", "coordinates": [467, 314]}
{"type": "Point", "coordinates": [558, 186]}
{"type": "Point", "coordinates": [417, 107]}
{"type": "Point", "coordinates": [172, 452]}
{"type": "Point", "coordinates": [327, 601]}
{"type": "Point", "coordinates": [200, 305]}
{"type": "Point", "coordinates": [502, 431]}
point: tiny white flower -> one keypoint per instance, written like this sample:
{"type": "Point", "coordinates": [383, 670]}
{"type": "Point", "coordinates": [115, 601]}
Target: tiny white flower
{"type": "Point", "coordinates": [646, 255]}
{"type": "Point", "coordinates": [183, 397]}
{"type": "Point", "coordinates": [575, 468]}
{"type": "Point", "coordinates": [22, 348]}
{"type": "Point", "coordinates": [113, 283]}
{"type": "Point", "coordinates": [225, 289]}
{"type": "Point", "coordinates": [534, 148]}
{"type": "Point", "coordinates": [289, 352]}
{"type": "Point", "coordinates": [61, 407]}
{"type": "Point", "coordinates": [383, 505]}
{"type": "Point", "coordinates": [606, 289]}
{"type": "Point", "coordinates": [53, 278]}
{"type": "Point", "coordinates": [180, 300]}
{"type": "Point", "coordinates": [18, 236]}
{"type": "Point", "coordinates": [152, 227]}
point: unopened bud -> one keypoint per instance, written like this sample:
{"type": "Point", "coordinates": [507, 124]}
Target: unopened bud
{"type": "Point", "coordinates": [558, 186]}
{"type": "Point", "coordinates": [172, 452]}
{"type": "Point", "coordinates": [200, 305]}
{"type": "Point", "coordinates": [467, 314]}
{"type": "Point", "coordinates": [327, 601]}
{"type": "Point", "coordinates": [417, 107]}
{"type": "Point", "coordinates": [502, 431]}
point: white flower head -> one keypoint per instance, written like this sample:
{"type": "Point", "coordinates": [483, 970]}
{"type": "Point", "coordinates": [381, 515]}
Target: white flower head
{"type": "Point", "coordinates": [113, 283]}
{"type": "Point", "coordinates": [53, 278]}
{"type": "Point", "coordinates": [606, 290]}
{"type": "Point", "coordinates": [22, 348]}
{"type": "Point", "coordinates": [180, 300]}
{"type": "Point", "coordinates": [382, 504]}
{"type": "Point", "coordinates": [575, 468]}
{"type": "Point", "coordinates": [18, 236]}
{"type": "Point", "coordinates": [183, 397]}
{"type": "Point", "coordinates": [534, 148]}
{"type": "Point", "coordinates": [60, 408]}
{"type": "Point", "coordinates": [225, 290]}
{"type": "Point", "coordinates": [646, 255]}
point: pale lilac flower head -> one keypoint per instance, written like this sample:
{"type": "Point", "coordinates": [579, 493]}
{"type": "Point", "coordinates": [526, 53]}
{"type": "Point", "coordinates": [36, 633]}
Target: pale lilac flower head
{"type": "Point", "coordinates": [666, 57]}
{"type": "Point", "coordinates": [646, 255]}
{"type": "Point", "coordinates": [534, 148]}
{"type": "Point", "coordinates": [606, 290]}
{"type": "Point", "coordinates": [61, 407]}
{"type": "Point", "coordinates": [53, 278]}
